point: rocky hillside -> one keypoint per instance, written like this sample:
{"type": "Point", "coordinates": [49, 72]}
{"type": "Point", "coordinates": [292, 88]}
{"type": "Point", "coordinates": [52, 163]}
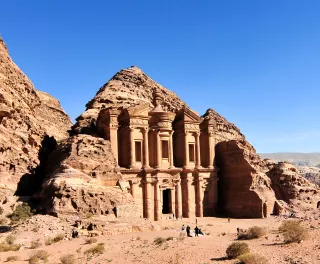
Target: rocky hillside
{"type": "Point", "coordinates": [290, 186]}
{"type": "Point", "coordinates": [26, 115]}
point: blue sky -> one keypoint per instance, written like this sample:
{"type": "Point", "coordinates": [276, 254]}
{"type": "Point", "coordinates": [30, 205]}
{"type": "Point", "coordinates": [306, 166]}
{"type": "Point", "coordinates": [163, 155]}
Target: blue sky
{"type": "Point", "coordinates": [255, 62]}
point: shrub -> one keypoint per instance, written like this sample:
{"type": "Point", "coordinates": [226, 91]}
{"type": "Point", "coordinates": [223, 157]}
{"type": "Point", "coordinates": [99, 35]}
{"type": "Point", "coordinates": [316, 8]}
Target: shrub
{"type": "Point", "coordinates": [55, 239]}
{"type": "Point", "coordinates": [1, 210]}
{"type": "Point", "coordinates": [293, 231]}
{"type": "Point", "coordinates": [37, 256]}
{"type": "Point", "coordinates": [10, 239]}
{"type": "Point", "coordinates": [236, 249]}
{"type": "Point", "coordinates": [12, 258]}
{"type": "Point", "coordinates": [96, 250]}
{"type": "Point", "coordinates": [169, 238]}
{"type": "Point", "coordinates": [3, 221]}
{"type": "Point", "coordinates": [91, 240]}
{"type": "Point", "coordinates": [182, 236]}
{"type": "Point", "coordinates": [68, 259]}
{"type": "Point", "coordinates": [22, 212]}
{"type": "Point", "coordinates": [35, 244]}
{"type": "Point", "coordinates": [159, 241]}
{"type": "Point", "coordinates": [252, 259]}
{"type": "Point", "coordinates": [89, 215]}
{"type": "Point", "coordinates": [252, 233]}
{"type": "Point", "coordinates": [4, 247]}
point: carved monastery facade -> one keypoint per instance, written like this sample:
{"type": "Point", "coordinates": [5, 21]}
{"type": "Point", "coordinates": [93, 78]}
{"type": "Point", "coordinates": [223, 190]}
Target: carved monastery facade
{"type": "Point", "coordinates": [167, 158]}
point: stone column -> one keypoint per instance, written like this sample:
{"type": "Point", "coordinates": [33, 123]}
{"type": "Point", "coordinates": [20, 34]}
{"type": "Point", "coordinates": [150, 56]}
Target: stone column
{"type": "Point", "coordinates": [157, 201]}
{"type": "Point", "coordinates": [186, 149]}
{"type": "Point", "coordinates": [173, 201]}
{"type": "Point", "coordinates": [132, 149]}
{"type": "Point", "coordinates": [145, 148]}
{"type": "Point", "coordinates": [178, 199]}
{"type": "Point", "coordinates": [114, 139]}
{"type": "Point", "coordinates": [199, 198]}
{"type": "Point", "coordinates": [148, 199]}
{"type": "Point", "coordinates": [198, 159]}
{"type": "Point", "coordinates": [190, 196]}
{"type": "Point", "coordinates": [211, 144]}
{"type": "Point", "coordinates": [171, 150]}
{"type": "Point", "coordinates": [158, 165]}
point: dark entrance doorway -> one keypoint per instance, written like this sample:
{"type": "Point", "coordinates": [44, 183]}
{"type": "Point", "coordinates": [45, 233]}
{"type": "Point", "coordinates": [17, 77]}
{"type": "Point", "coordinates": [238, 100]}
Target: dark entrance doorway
{"type": "Point", "coordinates": [318, 205]}
{"type": "Point", "coordinates": [265, 210]}
{"type": "Point", "coordinates": [166, 201]}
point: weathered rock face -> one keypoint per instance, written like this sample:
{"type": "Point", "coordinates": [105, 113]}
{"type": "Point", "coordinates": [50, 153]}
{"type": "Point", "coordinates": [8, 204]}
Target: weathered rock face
{"type": "Point", "coordinates": [291, 187]}
{"type": "Point", "coordinates": [82, 177]}
{"type": "Point", "coordinates": [312, 174]}
{"type": "Point", "coordinates": [244, 188]}
{"type": "Point", "coordinates": [26, 115]}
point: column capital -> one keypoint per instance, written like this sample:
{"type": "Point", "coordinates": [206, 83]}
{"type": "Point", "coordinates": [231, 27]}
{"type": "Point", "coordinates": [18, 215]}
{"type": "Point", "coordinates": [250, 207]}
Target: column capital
{"type": "Point", "coordinates": [131, 128]}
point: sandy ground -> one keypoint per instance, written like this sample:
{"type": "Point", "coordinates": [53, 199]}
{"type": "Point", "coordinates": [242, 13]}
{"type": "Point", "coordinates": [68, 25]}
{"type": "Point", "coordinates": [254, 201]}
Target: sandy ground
{"type": "Point", "coordinates": [139, 247]}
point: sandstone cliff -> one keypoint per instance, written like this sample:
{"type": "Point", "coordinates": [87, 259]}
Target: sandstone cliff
{"type": "Point", "coordinates": [82, 176]}
{"type": "Point", "coordinates": [26, 115]}
{"type": "Point", "coordinates": [244, 188]}
{"type": "Point", "coordinates": [292, 187]}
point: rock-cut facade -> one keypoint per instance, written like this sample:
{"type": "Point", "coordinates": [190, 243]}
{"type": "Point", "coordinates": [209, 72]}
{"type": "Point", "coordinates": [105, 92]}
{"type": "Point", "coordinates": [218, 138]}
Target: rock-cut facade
{"type": "Point", "coordinates": [166, 158]}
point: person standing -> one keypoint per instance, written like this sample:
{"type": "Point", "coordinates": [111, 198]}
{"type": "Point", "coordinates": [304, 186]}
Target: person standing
{"type": "Point", "coordinates": [188, 231]}
{"type": "Point", "coordinates": [196, 231]}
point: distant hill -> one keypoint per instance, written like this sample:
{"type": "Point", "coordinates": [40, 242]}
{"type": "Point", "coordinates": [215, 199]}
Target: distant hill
{"type": "Point", "coordinates": [298, 159]}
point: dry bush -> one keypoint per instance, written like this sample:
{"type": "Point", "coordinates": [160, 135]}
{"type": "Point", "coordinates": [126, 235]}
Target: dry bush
{"type": "Point", "coordinates": [68, 259]}
{"type": "Point", "coordinates": [252, 233]}
{"type": "Point", "coordinates": [10, 239]}
{"type": "Point", "coordinates": [55, 239]}
{"type": "Point", "coordinates": [3, 221]}
{"type": "Point", "coordinates": [22, 212]}
{"type": "Point", "coordinates": [252, 259]}
{"type": "Point", "coordinates": [293, 231]}
{"type": "Point", "coordinates": [96, 250]}
{"type": "Point", "coordinates": [12, 258]}
{"type": "Point", "coordinates": [4, 247]}
{"type": "Point", "coordinates": [91, 240]}
{"type": "Point", "coordinates": [236, 249]}
{"type": "Point", "coordinates": [182, 236]}
{"type": "Point", "coordinates": [37, 256]}
{"type": "Point", "coordinates": [159, 241]}
{"type": "Point", "coordinates": [89, 215]}
{"type": "Point", "coordinates": [169, 238]}
{"type": "Point", "coordinates": [35, 244]}
{"type": "Point", "coordinates": [138, 238]}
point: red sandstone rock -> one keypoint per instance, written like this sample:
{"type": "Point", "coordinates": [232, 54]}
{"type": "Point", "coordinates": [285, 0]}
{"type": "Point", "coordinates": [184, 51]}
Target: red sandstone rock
{"type": "Point", "coordinates": [26, 115]}
{"type": "Point", "coordinates": [291, 187]}
{"type": "Point", "coordinates": [82, 177]}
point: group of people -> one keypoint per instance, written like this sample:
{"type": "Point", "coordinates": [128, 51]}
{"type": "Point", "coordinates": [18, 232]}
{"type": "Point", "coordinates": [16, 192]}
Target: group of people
{"type": "Point", "coordinates": [197, 230]}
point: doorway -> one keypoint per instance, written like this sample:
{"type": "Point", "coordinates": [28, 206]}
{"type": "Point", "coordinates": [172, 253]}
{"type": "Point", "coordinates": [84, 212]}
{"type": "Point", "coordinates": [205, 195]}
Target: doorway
{"type": "Point", "coordinates": [166, 195]}
{"type": "Point", "coordinates": [265, 210]}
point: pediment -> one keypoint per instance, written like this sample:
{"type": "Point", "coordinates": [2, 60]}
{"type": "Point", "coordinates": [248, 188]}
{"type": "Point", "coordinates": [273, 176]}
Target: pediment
{"type": "Point", "coordinates": [189, 115]}
{"type": "Point", "coordinates": [141, 109]}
